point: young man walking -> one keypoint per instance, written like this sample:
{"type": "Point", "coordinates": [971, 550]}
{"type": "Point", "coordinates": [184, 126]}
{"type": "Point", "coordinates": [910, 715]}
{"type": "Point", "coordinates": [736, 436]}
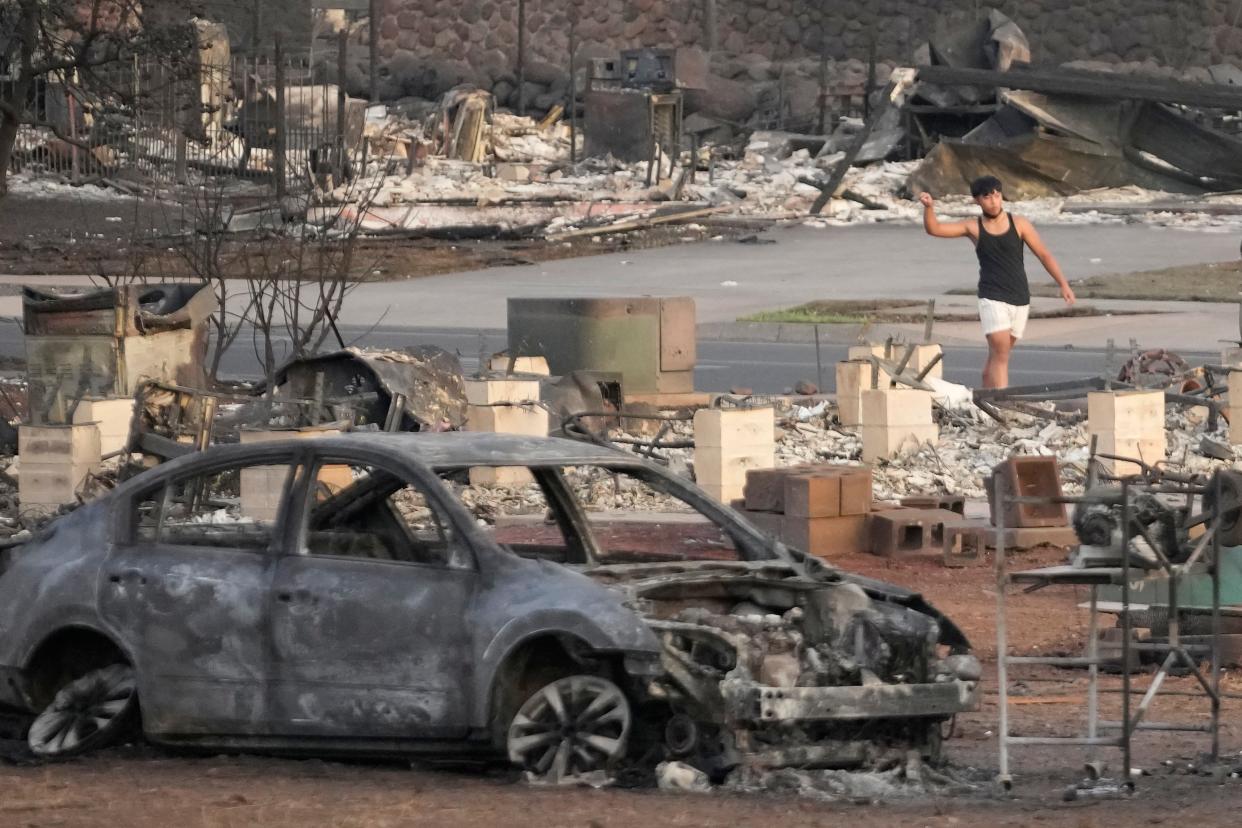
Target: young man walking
{"type": "Point", "coordinates": [1004, 295]}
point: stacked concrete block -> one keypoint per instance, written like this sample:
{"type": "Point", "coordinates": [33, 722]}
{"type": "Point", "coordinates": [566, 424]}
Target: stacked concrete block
{"type": "Point", "coordinates": [1235, 408]}
{"type": "Point", "coordinates": [730, 443]}
{"type": "Point", "coordinates": [113, 416]}
{"type": "Point", "coordinates": [893, 418]}
{"type": "Point", "coordinates": [262, 487]}
{"type": "Point", "coordinates": [54, 460]}
{"type": "Point", "coordinates": [823, 510]}
{"type": "Point", "coordinates": [852, 377]}
{"type": "Point", "coordinates": [504, 406]}
{"type": "Point", "coordinates": [1127, 424]}
{"type": "Point", "coordinates": [924, 354]}
{"type": "Point", "coordinates": [536, 365]}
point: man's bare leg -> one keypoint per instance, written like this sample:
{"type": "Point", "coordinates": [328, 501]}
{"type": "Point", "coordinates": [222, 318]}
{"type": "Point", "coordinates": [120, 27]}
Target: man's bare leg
{"type": "Point", "coordinates": [996, 369]}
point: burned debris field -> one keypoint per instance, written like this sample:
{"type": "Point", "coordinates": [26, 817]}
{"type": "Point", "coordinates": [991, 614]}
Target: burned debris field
{"type": "Point", "coordinates": [482, 413]}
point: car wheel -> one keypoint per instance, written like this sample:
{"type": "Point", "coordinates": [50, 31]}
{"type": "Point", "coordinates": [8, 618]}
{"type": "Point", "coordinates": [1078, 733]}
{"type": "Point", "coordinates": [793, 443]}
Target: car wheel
{"type": "Point", "coordinates": [87, 713]}
{"type": "Point", "coordinates": [569, 728]}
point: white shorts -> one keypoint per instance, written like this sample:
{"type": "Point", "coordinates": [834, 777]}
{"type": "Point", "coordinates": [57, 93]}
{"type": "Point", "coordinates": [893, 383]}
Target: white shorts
{"type": "Point", "coordinates": [1001, 316]}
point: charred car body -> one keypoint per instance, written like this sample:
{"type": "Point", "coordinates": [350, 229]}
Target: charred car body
{"type": "Point", "coordinates": [357, 594]}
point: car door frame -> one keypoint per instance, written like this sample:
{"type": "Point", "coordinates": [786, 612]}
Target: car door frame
{"type": "Point", "coordinates": [433, 489]}
{"type": "Point", "coordinates": [123, 540]}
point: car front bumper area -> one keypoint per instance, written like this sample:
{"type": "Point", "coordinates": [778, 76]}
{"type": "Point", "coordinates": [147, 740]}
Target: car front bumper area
{"type": "Point", "coordinates": [757, 705]}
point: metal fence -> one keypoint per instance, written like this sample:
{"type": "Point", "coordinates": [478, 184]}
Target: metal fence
{"type": "Point", "coordinates": [156, 121]}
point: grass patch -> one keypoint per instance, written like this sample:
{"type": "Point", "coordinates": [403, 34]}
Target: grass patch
{"type": "Point", "coordinates": [1213, 282]}
{"type": "Point", "coordinates": [846, 312]}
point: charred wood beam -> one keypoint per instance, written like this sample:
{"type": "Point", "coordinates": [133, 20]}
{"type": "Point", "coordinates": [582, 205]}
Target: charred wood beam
{"type": "Point", "coordinates": [1089, 84]}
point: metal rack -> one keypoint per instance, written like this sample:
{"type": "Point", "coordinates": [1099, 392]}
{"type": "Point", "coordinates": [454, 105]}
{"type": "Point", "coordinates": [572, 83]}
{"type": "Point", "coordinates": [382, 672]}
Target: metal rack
{"type": "Point", "coordinates": [1204, 558]}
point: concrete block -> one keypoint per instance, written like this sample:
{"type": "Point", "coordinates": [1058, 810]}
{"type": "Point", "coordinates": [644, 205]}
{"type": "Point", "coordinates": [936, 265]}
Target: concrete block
{"type": "Point", "coordinates": [717, 427]}
{"type": "Point", "coordinates": [53, 463]}
{"type": "Point", "coordinates": [909, 530]}
{"type": "Point", "coordinates": [769, 523]}
{"type": "Point", "coordinates": [723, 473]}
{"type": "Point", "coordinates": [852, 378]}
{"type": "Point", "coordinates": [1030, 476]}
{"type": "Point", "coordinates": [1150, 452]}
{"type": "Point", "coordinates": [508, 476]}
{"type": "Point", "coordinates": [58, 444]}
{"type": "Point", "coordinates": [952, 503]}
{"type": "Point", "coordinates": [522, 365]}
{"type": "Point", "coordinates": [765, 490]}
{"type": "Point", "coordinates": [112, 416]}
{"type": "Point", "coordinates": [896, 407]}
{"type": "Point", "coordinates": [817, 495]}
{"type": "Point", "coordinates": [1231, 357]}
{"type": "Point", "coordinates": [497, 391]}
{"type": "Point", "coordinates": [856, 491]}
{"type": "Point", "coordinates": [261, 486]}
{"type": "Point", "coordinates": [828, 537]}
{"type": "Point", "coordinates": [1127, 414]}
{"type": "Point", "coordinates": [864, 353]}
{"type": "Point", "coordinates": [882, 442]}
{"type": "Point", "coordinates": [529, 420]}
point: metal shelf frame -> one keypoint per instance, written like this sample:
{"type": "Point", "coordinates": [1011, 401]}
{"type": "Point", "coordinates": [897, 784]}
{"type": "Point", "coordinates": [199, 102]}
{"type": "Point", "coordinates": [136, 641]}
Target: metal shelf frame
{"type": "Point", "coordinates": [1204, 558]}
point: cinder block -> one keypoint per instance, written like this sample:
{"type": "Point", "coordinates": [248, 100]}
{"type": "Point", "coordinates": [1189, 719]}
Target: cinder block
{"type": "Point", "coordinates": [864, 354]}
{"type": "Point", "coordinates": [522, 365]}
{"type": "Point", "coordinates": [827, 537]}
{"type": "Point", "coordinates": [962, 547]}
{"type": "Point", "coordinates": [497, 391]}
{"type": "Point", "coordinates": [1150, 452]}
{"type": "Point", "coordinates": [529, 420]}
{"type": "Point", "coordinates": [261, 486]}
{"type": "Point", "coordinates": [856, 491]}
{"type": "Point", "coordinates": [896, 407]}
{"type": "Point", "coordinates": [508, 476]}
{"type": "Point", "coordinates": [852, 377]}
{"type": "Point", "coordinates": [723, 473]}
{"type": "Point", "coordinates": [54, 461]}
{"type": "Point", "coordinates": [1127, 414]}
{"type": "Point", "coordinates": [816, 495]}
{"type": "Point", "coordinates": [74, 444]}
{"type": "Point", "coordinates": [951, 503]}
{"type": "Point", "coordinates": [765, 490]}
{"type": "Point", "coordinates": [1231, 357]}
{"type": "Point", "coordinates": [717, 427]}
{"type": "Point", "coordinates": [769, 523]}
{"type": "Point", "coordinates": [909, 530]}
{"type": "Point", "coordinates": [112, 416]}
{"type": "Point", "coordinates": [881, 442]}
{"type": "Point", "coordinates": [1031, 476]}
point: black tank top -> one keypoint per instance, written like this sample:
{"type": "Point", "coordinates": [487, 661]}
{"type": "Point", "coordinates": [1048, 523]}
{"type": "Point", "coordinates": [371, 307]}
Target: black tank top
{"type": "Point", "coordinates": [1002, 274]}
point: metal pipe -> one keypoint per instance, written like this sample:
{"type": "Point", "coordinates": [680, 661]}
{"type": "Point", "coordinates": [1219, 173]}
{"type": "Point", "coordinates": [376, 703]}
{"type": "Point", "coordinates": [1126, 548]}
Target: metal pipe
{"type": "Point", "coordinates": [1002, 648]}
{"type": "Point", "coordinates": [1127, 518]}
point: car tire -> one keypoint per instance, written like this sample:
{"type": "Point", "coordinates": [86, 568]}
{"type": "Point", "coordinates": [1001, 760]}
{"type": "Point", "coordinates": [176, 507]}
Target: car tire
{"type": "Point", "coordinates": [87, 713]}
{"type": "Point", "coordinates": [571, 728]}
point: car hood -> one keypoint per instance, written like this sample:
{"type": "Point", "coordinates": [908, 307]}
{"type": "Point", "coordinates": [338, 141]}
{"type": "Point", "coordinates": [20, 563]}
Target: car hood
{"type": "Point", "coordinates": [658, 579]}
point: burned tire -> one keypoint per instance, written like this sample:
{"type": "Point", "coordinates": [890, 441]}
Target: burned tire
{"type": "Point", "coordinates": [87, 713]}
{"type": "Point", "coordinates": [570, 728]}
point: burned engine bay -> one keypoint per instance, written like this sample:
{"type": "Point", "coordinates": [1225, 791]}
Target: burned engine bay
{"type": "Point", "coordinates": [765, 668]}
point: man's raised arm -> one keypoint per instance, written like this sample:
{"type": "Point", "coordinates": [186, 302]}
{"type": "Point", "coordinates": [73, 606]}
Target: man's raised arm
{"type": "Point", "coordinates": [935, 227]}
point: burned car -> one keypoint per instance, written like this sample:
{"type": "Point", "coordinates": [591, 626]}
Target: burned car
{"type": "Point", "coordinates": [571, 607]}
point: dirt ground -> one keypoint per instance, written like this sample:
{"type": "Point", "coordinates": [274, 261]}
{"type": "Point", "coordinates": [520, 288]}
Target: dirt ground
{"type": "Point", "coordinates": [142, 786]}
{"type": "Point", "coordinates": [58, 236]}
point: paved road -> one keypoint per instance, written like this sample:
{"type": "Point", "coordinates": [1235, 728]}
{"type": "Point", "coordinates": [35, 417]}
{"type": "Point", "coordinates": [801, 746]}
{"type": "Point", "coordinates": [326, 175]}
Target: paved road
{"type": "Point", "coordinates": [729, 280]}
{"type": "Point", "coordinates": [765, 367]}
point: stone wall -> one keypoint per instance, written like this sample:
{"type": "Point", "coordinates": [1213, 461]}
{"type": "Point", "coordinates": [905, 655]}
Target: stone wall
{"type": "Point", "coordinates": [483, 33]}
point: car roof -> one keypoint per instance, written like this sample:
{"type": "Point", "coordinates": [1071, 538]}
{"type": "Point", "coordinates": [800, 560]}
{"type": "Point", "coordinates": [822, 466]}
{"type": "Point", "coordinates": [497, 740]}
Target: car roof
{"type": "Point", "coordinates": [463, 448]}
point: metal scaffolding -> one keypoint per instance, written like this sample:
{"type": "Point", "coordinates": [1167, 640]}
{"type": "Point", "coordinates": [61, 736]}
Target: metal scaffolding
{"type": "Point", "coordinates": [1202, 559]}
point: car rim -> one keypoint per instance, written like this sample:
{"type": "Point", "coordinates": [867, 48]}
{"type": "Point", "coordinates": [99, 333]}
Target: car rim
{"type": "Point", "coordinates": [83, 709]}
{"type": "Point", "coordinates": [571, 727]}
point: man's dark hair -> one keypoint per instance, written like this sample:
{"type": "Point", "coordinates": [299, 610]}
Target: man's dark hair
{"type": "Point", "coordinates": [985, 184]}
